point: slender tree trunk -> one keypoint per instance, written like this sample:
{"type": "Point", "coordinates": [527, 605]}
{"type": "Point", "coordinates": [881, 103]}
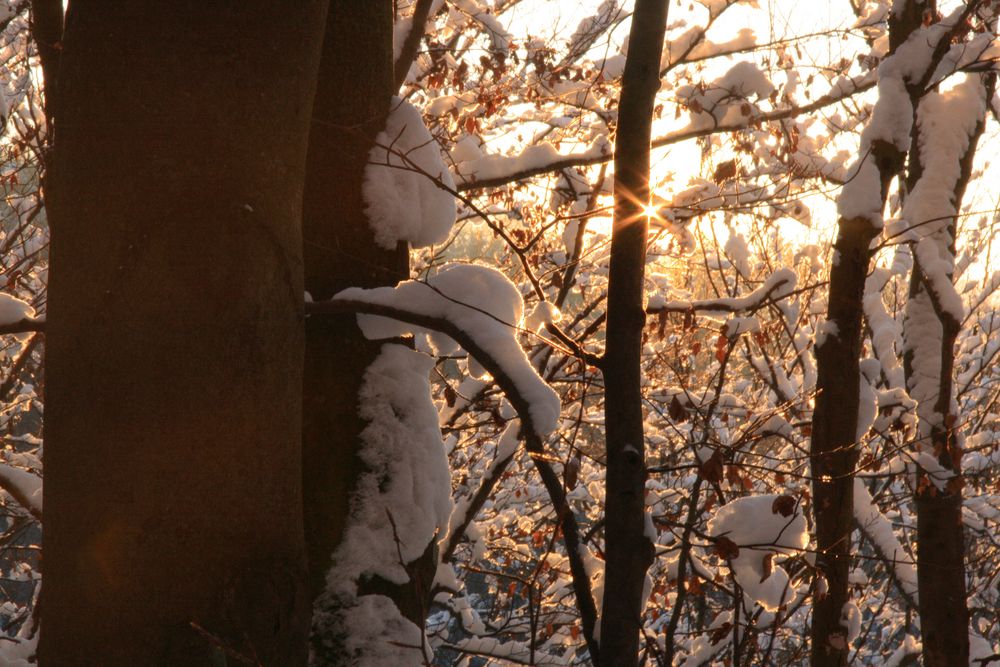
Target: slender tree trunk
{"type": "Point", "coordinates": [834, 446]}
{"type": "Point", "coordinates": [628, 550]}
{"type": "Point", "coordinates": [834, 453]}
{"type": "Point", "coordinates": [173, 529]}
{"type": "Point", "coordinates": [350, 109]}
{"type": "Point", "coordinates": [943, 607]}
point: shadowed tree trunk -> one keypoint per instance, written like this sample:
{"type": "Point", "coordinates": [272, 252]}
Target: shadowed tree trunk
{"type": "Point", "coordinates": [350, 108]}
{"type": "Point", "coordinates": [628, 550]}
{"type": "Point", "coordinates": [173, 530]}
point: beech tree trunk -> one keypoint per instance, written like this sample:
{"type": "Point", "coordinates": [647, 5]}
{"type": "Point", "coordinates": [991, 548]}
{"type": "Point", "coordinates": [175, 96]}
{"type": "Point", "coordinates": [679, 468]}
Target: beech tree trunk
{"type": "Point", "coordinates": [629, 552]}
{"type": "Point", "coordinates": [350, 108]}
{"type": "Point", "coordinates": [173, 531]}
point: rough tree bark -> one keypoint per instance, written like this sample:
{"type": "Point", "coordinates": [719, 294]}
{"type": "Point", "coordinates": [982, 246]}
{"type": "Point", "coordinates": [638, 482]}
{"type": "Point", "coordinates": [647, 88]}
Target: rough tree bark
{"type": "Point", "coordinates": [173, 529]}
{"type": "Point", "coordinates": [350, 108]}
{"type": "Point", "coordinates": [628, 550]}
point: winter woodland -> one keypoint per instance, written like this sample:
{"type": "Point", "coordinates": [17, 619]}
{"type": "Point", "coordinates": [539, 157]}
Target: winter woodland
{"type": "Point", "coordinates": [684, 350]}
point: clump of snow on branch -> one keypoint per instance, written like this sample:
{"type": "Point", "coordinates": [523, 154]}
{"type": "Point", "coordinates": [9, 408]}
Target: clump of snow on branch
{"type": "Point", "coordinates": [692, 45]}
{"type": "Point", "coordinates": [13, 310]}
{"type": "Point", "coordinates": [514, 651]}
{"type": "Point", "coordinates": [485, 306]}
{"type": "Point", "coordinates": [403, 198]}
{"type": "Point", "coordinates": [25, 487]}
{"type": "Point", "coordinates": [947, 122]}
{"type": "Point", "coordinates": [761, 527]}
{"type": "Point", "coordinates": [726, 100]}
{"type": "Point", "coordinates": [400, 505]}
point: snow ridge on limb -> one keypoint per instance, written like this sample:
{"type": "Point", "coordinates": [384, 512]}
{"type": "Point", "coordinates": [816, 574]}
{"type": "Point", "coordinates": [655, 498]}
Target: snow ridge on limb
{"type": "Point", "coordinates": [488, 170]}
{"type": "Point", "coordinates": [886, 333]}
{"type": "Point", "coordinates": [947, 126]}
{"type": "Point", "coordinates": [878, 528]}
{"type": "Point", "coordinates": [480, 304]}
{"type": "Point", "coordinates": [778, 285]}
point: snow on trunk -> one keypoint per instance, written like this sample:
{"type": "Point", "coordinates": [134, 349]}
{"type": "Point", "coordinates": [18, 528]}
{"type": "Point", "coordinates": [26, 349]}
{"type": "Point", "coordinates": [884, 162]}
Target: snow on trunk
{"type": "Point", "coordinates": [401, 503]}
{"type": "Point", "coordinates": [947, 123]}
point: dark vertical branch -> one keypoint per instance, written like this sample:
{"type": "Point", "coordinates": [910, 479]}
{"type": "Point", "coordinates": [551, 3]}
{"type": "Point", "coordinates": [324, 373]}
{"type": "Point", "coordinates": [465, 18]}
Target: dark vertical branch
{"type": "Point", "coordinates": [833, 451]}
{"type": "Point", "coordinates": [629, 552]}
{"type": "Point", "coordinates": [408, 52]}
{"type": "Point", "coordinates": [47, 29]}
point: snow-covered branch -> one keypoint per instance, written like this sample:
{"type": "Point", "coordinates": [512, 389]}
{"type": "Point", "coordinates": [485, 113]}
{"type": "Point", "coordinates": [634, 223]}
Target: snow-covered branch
{"type": "Point", "coordinates": [24, 487]}
{"type": "Point", "coordinates": [778, 284]}
{"type": "Point", "coordinates": [496, 170]}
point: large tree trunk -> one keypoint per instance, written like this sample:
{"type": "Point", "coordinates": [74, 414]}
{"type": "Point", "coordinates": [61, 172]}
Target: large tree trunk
{"type": "Point", "coordinates": [628, 550]}
{"type": "Point", "coordinates": [173, 529]}
{"type": "Point", "coordinates": [350, 108]}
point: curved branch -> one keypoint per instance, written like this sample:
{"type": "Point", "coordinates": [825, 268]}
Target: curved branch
{"type": "Point", "coordinates": [18, 484]}
{"type": "Point", "coordinates": [24, 325]}
{"type": "Point", "coordinates": [533, 440]}
{"type": "Point", "coordinates": [751, 302]}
